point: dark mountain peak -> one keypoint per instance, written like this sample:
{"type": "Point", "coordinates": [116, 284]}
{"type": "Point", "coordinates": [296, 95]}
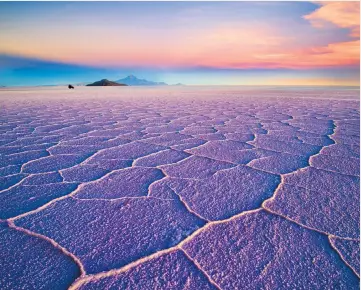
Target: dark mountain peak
{"type": "Point", "coordinates": [105, 83]}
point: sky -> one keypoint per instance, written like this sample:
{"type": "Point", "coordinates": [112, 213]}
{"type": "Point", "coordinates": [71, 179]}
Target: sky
{"type": "Point", "coordinates": [194, 43]}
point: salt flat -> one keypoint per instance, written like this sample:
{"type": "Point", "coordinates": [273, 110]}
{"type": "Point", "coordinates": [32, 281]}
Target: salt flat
{"type": "Point", "coordinates": [179, 188]}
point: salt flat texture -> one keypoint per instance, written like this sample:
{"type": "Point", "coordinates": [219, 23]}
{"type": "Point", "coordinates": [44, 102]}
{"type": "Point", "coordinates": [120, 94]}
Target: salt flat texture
{"type": "Point", "coordinates": [179, 188]}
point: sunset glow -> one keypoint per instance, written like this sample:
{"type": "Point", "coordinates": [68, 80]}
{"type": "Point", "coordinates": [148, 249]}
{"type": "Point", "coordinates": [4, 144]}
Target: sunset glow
{"type": "Point", "coordinates": [167, 38]}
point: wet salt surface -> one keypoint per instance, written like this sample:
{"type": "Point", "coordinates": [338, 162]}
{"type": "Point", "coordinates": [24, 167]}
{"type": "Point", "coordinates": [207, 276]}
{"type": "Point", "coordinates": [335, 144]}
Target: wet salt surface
{"type": "Point", "coordinates": [179, 188]}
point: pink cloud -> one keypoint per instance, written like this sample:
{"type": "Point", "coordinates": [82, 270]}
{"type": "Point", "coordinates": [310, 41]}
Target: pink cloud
{"type": "Point", "coordinates": [342, 14]}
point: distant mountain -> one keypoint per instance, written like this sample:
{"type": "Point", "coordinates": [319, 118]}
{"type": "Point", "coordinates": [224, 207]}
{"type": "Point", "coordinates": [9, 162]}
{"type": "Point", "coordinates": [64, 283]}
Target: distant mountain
{"type": "Point", "coordinates": [105, 83]}
{"type": "Point", "coordinates": [134, 81]}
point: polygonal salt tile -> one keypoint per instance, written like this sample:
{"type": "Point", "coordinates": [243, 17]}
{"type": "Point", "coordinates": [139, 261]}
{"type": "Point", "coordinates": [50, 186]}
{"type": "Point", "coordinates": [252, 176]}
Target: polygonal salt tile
{"type": "Point", "coordinates": [342, 150]}
{"type": "Point", "coordinates": [52, 163]}
{"type": "Point", "coordinates": [162, 157]}
{"type": "Point", "coordinates": [286, 147]}
{"type": "Point", "coordinates": [43, 178]}
{"type": "Point", "coordinates": [195, 167]}
{"type": "Point", "coordinates": [339, 164]}
{"type": "Point", "coordinates": [334, 213]}
{"type": "Point", "coordinates": [170, 271]}
{"type": "Point", "coordinates": [280, 163]}
{"type": "Point", "coordinates": [349, 250]}
{"type": "Point", "coordinates": [227, 192]}
{"type": "Point", "coordinates": [28, 262]}
{"type": "Point", "coordinates": [83, 173]}
{"type": "Point", "coordinates": [130, 151]}
{"type": "Point", "coordinates": [263, 251]}
{"type": "Point", "coordinates": [133, 182]}
{"type": "Point", "coordinates": [117, 232]}
{"type": "Point", "coordinates": [10, 180]}
{"type": "Point", "coordinates": [24, 198]}
{"type": "Point", "coordinates": [322, 180]}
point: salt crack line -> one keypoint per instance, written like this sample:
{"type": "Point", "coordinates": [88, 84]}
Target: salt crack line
{"type": "Point", "coordinates": [304, 226]}
{"type": "Point", "coordinates": [73, 193]}
{"type": "Point", "coordinates": [53, 243]}
{"type": "Point", "coordinates": [283, 182]}
{"type": "Point", "coordinates": [196, 154]}
{"type": "Point", "coordinates": [327, 170]}
{"type": "Point", "coordinates": [187, 206]}
{"type": "Point", "coordinates": [263, 205]}
{"type": "Point", "coordinates": [341, 256]}
{"type": "Point", "coordinates": [210, 280]}
{"type": "Point", "coordinates": [30, 161]}
{"type": "Point", "coordinates": [94, 277]}
{"type": "Point", "coordinates": [44, 206]}
{"type": "Point", "coordinates": [325, 146]}
{"type": "Point", "coordinates": [121, 198]}
{"type": "Point", "coordinates": [150, 187]}
{"type": "Point", "coordinates": [16, 184]}
{"type": "Point", "coordinates": [141, 157]}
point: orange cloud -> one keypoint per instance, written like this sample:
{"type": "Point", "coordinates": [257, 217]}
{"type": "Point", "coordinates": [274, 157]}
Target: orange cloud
{"type": "Point", "coordinates": [269, 51]}
{"type": "Point", "coordinates": [334, 54]}
{"type": "Point", "coordinates": [341, 14]}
